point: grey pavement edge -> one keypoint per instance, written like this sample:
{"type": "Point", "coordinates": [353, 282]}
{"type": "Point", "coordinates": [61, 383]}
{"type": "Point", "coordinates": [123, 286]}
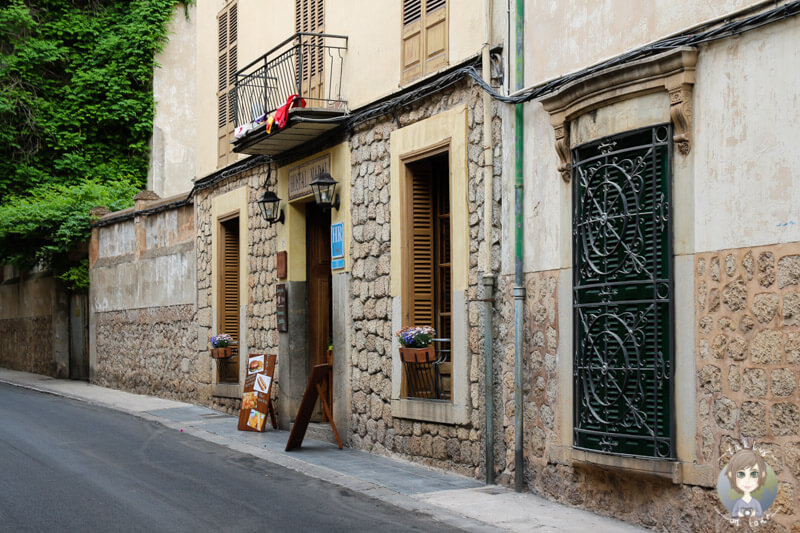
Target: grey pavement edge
{"type": "Point", "coordinates": [461, 502]}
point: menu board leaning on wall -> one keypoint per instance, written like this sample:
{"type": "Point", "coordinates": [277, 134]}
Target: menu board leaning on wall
{"type": "Point", "coordinates": [256, 401]}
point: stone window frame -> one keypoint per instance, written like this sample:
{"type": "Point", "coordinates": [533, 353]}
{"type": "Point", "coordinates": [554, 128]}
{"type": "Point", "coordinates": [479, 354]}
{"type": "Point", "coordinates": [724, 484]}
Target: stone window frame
{"type": "Point", "coordinates": [223, 207]}
{"type": "Point", "coordinates": [622, 98]}
{"type": "Point", "coordinates": [446, 131]}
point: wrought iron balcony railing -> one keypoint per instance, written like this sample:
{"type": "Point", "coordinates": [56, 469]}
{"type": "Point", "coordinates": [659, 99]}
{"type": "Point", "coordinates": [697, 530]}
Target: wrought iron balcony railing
{"type": "Point", "coordinates": [307, 64]}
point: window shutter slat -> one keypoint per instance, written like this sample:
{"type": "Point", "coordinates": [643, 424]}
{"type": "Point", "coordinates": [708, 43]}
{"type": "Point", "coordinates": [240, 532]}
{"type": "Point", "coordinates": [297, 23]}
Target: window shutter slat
{"type": "Point", "coordinates": [422, 250]}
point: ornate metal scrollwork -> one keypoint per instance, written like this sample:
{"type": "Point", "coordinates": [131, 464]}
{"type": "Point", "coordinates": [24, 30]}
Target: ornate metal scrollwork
{"type": "Point", "coordinates": [623, 294]}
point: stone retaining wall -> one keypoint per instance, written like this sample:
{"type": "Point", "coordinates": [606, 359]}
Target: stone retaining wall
{"type": "Point", "coordinates": [150, 351]}
{"type": "Point", "coordinates": [27, 345]}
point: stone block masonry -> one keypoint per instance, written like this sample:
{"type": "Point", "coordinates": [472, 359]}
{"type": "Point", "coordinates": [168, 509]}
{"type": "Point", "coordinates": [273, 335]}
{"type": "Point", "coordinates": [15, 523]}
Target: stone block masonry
{"type": "Point", "coordinates": [748, 360]}
{"type": "Point", "coordinates": [373, 425]}
{"type": "Point", "coordinates": [150, 351]}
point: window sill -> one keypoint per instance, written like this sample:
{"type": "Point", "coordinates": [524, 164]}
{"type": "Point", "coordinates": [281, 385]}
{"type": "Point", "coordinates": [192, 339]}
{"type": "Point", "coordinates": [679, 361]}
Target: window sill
{"type": "Point", "coordinates": [677, 471]}
{"type": "Point", "coordinates": [442, 412]}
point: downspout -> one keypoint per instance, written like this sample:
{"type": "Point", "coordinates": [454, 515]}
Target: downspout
{"type": "Point", "coordinates": [488, 218]}
{"type": "Point", "coordinates": [519, 288]}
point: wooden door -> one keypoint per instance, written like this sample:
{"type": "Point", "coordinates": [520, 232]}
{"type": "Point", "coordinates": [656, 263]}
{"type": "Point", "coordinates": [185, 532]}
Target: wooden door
{"type": "Point", "coordinates": [318, 272]}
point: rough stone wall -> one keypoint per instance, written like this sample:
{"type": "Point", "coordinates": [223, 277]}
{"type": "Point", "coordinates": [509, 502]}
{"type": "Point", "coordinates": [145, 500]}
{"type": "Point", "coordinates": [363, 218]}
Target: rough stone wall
{"type": "Point", "coordinates": [748, 366]}
{"type": "Point", "coordinates": [28, 345]}
{"type": "Point", "coordinates": [261, 318]}
{"type": "Point", "coordinates": [149, 351]}
{"type": "Point", "coordinates": [748, 360]}
{"type": "Point", "coordinates": [540, 342]}
{"type": "Point", "coordinates": [456, 448]}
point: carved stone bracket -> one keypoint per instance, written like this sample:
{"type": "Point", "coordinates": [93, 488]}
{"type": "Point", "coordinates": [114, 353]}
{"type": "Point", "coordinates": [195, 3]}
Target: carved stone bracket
{"type": "Point", "coordinates": [680, 111]}
{"type": "Point", "coordinates": [562, 148]}
{"type": "Point", "coordinates": [672, 72]}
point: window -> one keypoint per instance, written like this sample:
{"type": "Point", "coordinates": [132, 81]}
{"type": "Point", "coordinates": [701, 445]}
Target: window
{"type": "Point", "coordinates": [309, 17]}
{"type": "Point", "coordinates": [227, 25]}
{"type": "Point", "coordinates": [623, 294]}
{"type": "Point", "coordinates": [430, 283]}
{"type": "Point", "coordinates": [228, 295]}
{"type": "Point", "coordinates": [425, 37]}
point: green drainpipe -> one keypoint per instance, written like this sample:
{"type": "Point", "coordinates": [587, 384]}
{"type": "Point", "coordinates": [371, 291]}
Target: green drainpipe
{"type": "Point", "coordinates": [519, 288]}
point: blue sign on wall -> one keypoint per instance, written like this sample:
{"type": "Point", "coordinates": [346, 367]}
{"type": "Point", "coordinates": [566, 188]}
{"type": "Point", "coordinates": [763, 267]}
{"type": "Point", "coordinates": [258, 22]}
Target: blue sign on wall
{"type": "Point", "coordinates": [337, 245]}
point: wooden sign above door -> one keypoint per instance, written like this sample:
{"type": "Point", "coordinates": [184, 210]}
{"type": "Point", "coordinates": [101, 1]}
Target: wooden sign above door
{"type": "Point", "coordinates": [300, 176]}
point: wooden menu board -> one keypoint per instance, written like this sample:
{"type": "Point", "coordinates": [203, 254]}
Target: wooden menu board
{"type": "Point", "coordinates": [256, 402]}
{"type": "Point", "coordinates": [313, 391]}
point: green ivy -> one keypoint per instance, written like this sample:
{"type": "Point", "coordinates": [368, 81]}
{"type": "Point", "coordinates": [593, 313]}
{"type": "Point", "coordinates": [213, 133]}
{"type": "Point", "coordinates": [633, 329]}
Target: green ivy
{"type": "Point", "coordinates": [76, 115]}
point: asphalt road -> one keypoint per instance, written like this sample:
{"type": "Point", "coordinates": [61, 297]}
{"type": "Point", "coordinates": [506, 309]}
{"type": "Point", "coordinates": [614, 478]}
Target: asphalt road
{"type": "Point", "coordinates": [70, 466]}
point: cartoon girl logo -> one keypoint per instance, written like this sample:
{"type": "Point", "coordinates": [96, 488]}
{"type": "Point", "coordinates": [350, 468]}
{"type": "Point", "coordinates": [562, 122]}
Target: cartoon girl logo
{"type": "Point", "coordinates": [747, 486]}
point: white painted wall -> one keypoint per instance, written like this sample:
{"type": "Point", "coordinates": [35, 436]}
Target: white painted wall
{"type": "Point", "coordinates": [746, 152]}
{"type": "Point", "coordinates": [564, 36]}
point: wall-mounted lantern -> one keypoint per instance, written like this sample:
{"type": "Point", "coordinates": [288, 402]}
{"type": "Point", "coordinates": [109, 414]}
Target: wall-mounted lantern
{"type": "Point", "coordinates": [324, 187]}
{"type": "Point", "coordinates": [269, 205]}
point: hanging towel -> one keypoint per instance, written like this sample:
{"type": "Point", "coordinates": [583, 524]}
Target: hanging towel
{"type": "Point", "coordinates": [282, 113]}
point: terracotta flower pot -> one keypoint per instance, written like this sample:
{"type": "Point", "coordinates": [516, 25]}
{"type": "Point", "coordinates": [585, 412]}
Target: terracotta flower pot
{"type": "Point", "coordinates": [418, 355]}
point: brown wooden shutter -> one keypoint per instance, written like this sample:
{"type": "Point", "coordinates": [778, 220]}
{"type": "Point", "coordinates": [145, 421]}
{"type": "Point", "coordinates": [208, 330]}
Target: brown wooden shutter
{"type": "Point", "coordinates": [421, 243]}
{"type": "Point", "coordinates": [310, 18]}
{"type": "Point", "coordinates": [227, 31]}
{"type": "Point", "coordinates": [436, 38]}
{"type": "Point", "coordinates": [424, 37]}
{"type": "Point", "coordinates": [412, 40]}
{"type": "Point", "coordinates": [228, 293]}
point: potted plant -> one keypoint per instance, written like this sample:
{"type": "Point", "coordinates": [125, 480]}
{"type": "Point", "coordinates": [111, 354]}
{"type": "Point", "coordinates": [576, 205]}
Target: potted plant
{"type": "Point", "coordinates": [415, 344]}
{"type": "Point", "coordinates": [221, 346]}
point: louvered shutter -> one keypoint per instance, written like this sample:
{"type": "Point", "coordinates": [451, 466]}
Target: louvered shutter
{"type": "Point", "coordinates": [227, 32]}
{"type": "Point", "coordinates": [424, 37]}
{"type": "Point", "coordinates": [309, 18]}
{"type": "Point", "coordinates": [228, 287]}
{"type": "Point", "coordinates": [412, 40]}
{"type": "Point", "coordinates": [421, 243]}
{"type": "Point", "coordinates": [436, 37]}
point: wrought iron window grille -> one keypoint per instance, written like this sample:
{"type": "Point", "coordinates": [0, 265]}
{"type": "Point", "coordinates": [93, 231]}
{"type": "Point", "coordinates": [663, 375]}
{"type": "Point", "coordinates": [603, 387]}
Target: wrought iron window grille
{"type": "Point", "coordinates": [623, 294]}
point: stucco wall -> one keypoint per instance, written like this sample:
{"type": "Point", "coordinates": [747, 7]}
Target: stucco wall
{"type": "Point", "coordinates": [594, 30]}
{"type": "Point", "coordinates": [172, 147]}
{"type": "Point", "coordinates": [374, 32]}
{"type": "Point", "coordinates": [746, 116]}
{"type": "Point", "coordinates": [142, 305]}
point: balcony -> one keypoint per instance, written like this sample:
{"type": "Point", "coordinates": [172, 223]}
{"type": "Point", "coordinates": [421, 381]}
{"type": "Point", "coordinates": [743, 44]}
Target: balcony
{"type": "Point", "coordinates": [308, 65]}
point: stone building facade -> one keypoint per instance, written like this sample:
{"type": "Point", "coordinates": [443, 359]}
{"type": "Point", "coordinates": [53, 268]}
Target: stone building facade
{"type": "Point", "coordinates": [376, 425]}
{"type": "Point", "coordinates": [719, 115]}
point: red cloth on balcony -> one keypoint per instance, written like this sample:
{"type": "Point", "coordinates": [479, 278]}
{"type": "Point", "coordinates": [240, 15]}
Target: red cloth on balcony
{"type": "Point", "coordinates": [282, 113]}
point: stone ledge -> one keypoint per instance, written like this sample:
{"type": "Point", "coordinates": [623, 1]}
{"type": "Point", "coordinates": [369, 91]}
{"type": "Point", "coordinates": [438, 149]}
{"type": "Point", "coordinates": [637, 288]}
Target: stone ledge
{"type": "Point", "coordinates": [429, 411]}
{"type": "Point", "coordinates": [679, 472]}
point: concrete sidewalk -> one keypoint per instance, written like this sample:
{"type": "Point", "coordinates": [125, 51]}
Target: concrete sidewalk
{"type": "Point", "coordinates": [461, 502]}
